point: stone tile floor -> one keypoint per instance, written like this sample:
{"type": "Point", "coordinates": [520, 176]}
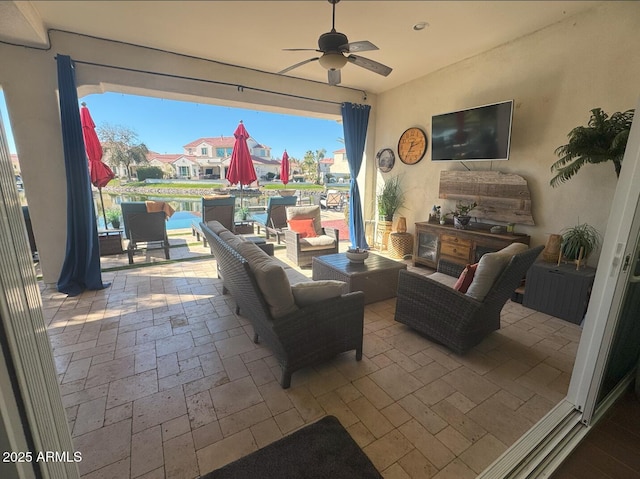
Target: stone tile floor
{"type": "Point", "coordinates": [160, 379]}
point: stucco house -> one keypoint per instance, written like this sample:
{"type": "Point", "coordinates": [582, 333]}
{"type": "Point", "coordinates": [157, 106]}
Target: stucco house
{"type": "Point", "coordinates": [556, 60]}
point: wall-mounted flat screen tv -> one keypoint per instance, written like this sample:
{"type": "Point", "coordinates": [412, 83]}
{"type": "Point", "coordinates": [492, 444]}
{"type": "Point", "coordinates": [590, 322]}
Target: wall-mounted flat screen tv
{"type": "Point", "coordinates": [482, 133]}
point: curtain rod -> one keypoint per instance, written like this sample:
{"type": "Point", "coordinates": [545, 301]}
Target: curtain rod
{"type": "Point", "coordinates": [50, 44]}
{"type": "Point", "coordinates": [239, 87]}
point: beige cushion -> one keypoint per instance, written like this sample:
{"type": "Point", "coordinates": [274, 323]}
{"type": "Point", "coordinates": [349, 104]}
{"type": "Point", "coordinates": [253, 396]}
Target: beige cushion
{"type": "Point", "coordinates": [317, 243]}
{"type": "Point", "coordinates": [444, 279]}
{"type": "Point", "coordinates": [294, 276]}
{"type": "Point", "coordinates": [303, 212]}
{"type": "Point", "coordinates": [231, 239]}
{"type": "Point", "coordinates": [314, 291]}
{"type": "Point", "coordinates": [271, 278]}
{"type": "Point", "coordinates": [489, 268]}
{"type": "Point", "coordinates": [216, 227]}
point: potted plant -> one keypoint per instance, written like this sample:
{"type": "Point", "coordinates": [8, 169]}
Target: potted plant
{"type": "Point", "coordinates": [113, 217]}
{"type": "Point", "coordinates": [460, 215]}
{"type": "Point", "coordinates": [242, 213]}
{"type": "Point", "coordinates": [390, 198]}
{"type": "Point", "coordinates": [604, 139]}
{"type": "Point", "coordinates": [580, 237]}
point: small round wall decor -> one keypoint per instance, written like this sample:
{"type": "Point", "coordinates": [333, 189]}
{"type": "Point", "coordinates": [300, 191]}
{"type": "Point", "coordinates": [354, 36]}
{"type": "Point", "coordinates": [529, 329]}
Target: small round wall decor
{"type": "Point", "coordinates": [386, 159]}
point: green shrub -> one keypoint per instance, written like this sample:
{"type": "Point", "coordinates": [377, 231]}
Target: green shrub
{"type": "Point", "coordinates": [151, 172]}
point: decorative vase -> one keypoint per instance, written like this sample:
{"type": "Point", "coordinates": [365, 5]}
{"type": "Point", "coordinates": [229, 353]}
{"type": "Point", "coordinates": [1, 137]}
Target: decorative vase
{"type": "Point", "coordinates": [551, 252]}
{"type": "Point", "coordinates": [401, 226]}
{"type": "Point", "coordinates": [461, 221]}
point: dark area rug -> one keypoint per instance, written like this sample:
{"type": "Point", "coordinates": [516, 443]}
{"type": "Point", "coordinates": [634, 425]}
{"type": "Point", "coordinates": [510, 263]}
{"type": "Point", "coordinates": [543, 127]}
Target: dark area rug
{"type": "Point", "coordinates": [322, 450]}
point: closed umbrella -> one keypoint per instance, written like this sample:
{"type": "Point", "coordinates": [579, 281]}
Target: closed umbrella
{"type": "Point", "coordinates": [99, 172]}
{"type": "Point", "coordinates": [284, 169]}
{"type": "Point", "coordinates": [241, 168]}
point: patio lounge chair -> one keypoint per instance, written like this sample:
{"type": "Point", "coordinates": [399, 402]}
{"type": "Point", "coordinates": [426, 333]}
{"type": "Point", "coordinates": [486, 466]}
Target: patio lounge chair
{"type": "Point", "coordinates": [215, 208]}
{"type": "Point", "coordinates": [303, 245]}
{"type": "Point", "coordinates": [275, 218]}
{"type": "Point", "coordinates": [141, 226]}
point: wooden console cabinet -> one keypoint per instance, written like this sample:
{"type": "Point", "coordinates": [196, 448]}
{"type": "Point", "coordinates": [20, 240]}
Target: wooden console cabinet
{"type": "Point", "coordinates": [435, 241]}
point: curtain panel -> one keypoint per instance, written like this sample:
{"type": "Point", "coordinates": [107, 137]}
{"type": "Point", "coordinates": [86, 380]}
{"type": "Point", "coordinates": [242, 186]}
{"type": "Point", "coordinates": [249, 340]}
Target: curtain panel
{"type": "Point", "coordinates": [355, 119]}
{"type": "Point", "coordinates": [81, 267]}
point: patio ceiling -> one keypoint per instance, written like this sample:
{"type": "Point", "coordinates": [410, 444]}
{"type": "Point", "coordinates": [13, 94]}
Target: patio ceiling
{"type": "Point", "coordinates": [253, 33]}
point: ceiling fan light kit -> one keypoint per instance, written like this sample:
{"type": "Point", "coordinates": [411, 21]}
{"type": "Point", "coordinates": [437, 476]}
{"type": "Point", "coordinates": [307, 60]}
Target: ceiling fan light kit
{"type": "Point", "coordinates": [333, 61]}
{"type": "Point", "coordinates": [334, 45]}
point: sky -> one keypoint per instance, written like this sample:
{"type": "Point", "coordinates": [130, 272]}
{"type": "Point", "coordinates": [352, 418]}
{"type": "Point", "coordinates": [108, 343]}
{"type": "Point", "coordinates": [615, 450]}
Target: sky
{"type": "Point", "coordinates": [165, 126]}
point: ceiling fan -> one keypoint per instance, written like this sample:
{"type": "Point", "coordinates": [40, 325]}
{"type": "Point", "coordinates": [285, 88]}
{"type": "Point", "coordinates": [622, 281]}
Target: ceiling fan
{"type": "Point", "coordinates": [334, 46]}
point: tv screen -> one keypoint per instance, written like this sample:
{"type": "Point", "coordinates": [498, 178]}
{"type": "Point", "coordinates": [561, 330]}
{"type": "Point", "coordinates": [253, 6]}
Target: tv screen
{"type": "Point", "coordinates": [475, 134]}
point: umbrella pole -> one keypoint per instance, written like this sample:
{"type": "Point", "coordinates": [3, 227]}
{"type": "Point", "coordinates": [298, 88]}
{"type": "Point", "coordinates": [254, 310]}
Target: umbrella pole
{"type": "Point", "coordinates": [104, 215]}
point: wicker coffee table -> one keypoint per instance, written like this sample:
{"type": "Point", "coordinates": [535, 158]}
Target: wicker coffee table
{"type": "Point", "coordinates": [377, 277]}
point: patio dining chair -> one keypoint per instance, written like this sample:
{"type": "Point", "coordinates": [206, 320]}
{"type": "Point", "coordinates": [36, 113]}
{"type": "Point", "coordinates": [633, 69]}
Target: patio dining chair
{"type": "Point", "coordinates": [333, 200]}
{"type": "Point", "coordinates": [140, 226]}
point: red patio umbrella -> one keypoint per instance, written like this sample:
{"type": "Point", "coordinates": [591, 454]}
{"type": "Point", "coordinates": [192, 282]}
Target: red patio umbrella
{"type": "Point", "coordinates": [241, 169]}
{"type": "Point", "coordinates": [100, 173]}
{"type": "Point", "coordinates": [284, 169]}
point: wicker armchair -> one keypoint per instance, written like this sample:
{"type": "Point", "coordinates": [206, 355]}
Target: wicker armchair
{"type": "Point", "coordinates": [302, 250]}
{"type": "Point", "coordinates": [450, 317]}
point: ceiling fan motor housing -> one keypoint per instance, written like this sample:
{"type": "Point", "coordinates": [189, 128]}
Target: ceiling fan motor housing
{"type": "Point", "coordinates": [332, 41]}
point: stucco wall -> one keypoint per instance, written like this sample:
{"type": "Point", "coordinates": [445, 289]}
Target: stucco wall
{"type": "Point", "coordinates": [556, 76]}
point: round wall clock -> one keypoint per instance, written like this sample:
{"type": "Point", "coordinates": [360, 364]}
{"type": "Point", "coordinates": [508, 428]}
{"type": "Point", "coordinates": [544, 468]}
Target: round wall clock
{"type": "Point", "coordinates": [412, 145]}
{"type": "Point", "coordinates": [386, 159]}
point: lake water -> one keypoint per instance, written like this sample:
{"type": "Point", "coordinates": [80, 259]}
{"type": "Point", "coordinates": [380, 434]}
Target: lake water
{"type": "Point", "coordinates": [187, 209]}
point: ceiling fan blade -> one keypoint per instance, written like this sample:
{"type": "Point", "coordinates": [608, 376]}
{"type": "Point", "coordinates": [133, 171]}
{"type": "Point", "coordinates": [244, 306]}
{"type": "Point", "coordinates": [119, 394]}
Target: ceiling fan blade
{"type": "Point", "coordinates": [334, 77]}
{"type": "Point", "coordinates": [362, 46]}
{"type": "Point", "coordinates": [301, 50]}
{"type": "Point", "coordinates": [371, 65]}
{"type": "Point", "coordinates": [298, 65]}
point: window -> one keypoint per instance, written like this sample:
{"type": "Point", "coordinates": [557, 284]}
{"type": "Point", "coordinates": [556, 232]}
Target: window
{"type": "Point", "coordinates": [184, 170]}
{"type": "Point", "coordinates": [203, 151]}
{"type": "Point", "coordinates": [220, 152]}
{"type": "Point", "coordinates": [189, 151]}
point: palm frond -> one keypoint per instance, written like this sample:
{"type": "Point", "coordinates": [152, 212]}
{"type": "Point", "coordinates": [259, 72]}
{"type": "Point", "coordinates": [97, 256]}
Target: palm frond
{"type": "Point", "coordinates": [604, 139]}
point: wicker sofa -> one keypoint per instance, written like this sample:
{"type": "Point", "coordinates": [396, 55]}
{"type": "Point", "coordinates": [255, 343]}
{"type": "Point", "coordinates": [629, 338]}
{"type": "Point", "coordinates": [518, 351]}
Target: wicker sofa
{"type": "Point", "coordinates": [297, 319]}
{"type": "Point", "coordinates": [431, 306]}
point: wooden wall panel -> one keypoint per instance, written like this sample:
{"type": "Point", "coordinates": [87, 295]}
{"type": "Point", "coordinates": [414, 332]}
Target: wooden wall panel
{"type": "Point", "coordinates": [502, 197]}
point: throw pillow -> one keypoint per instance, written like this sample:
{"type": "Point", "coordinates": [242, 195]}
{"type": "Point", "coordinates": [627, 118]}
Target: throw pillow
{"type": "Point", "coordinates": [307, 293]}
{"type": "Point", "coordinates": [271, 278]}
{"type": "Point", "coordinates": [490, 267]}
{"type": "Point", "coordinates": [466, 277]}
{"type": "Point", "coordinates": [304, 226]}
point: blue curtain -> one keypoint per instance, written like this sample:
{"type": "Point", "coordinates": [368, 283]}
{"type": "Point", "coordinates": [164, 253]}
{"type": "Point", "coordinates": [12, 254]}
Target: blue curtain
{"type": "Point", "coordinates": [81, 268]}
{"type": "Point", "coordinates": [354, 121]}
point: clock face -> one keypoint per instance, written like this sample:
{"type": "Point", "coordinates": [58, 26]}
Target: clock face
{"type": "Point", "coordinates": [412, 146]}
{"type": "Point", "coordinates": [386, 160]}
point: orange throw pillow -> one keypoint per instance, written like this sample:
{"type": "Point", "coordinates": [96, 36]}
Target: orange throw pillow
{"type": "Point", "coordinates": [466, 277]}
{"type": "Point", "coordinates": [305, 227]}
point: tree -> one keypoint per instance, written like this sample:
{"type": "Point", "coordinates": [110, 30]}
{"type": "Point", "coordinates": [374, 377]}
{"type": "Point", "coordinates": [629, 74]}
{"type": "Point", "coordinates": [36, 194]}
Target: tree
{"type": "Point", "coordinates": [122, 147]}
{"type": "Point", "coordinates": [311, 165]}
{"type": "Point", "coordinates": [605, 139]}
